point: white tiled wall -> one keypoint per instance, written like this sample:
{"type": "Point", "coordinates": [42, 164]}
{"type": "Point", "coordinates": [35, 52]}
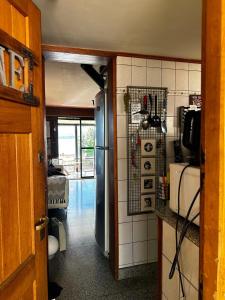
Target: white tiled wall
{"type": "Point", "coordinates": [189, 263]}
{"type": "Point", "coordinates": [138, 237]}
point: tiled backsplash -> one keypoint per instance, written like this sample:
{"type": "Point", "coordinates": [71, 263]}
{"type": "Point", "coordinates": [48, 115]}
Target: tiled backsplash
{"type": "Point", "coordinates": [138, 234]}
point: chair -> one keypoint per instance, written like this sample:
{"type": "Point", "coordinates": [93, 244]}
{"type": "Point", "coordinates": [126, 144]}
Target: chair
{"type": "Point", "coordinates": [58, 192]}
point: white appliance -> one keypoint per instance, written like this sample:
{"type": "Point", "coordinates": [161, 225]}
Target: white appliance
{"type": "Point", "coordinates": [189, 186]}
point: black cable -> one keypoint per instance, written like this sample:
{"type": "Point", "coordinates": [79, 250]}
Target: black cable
{"type": "Point", "coordinates": [178, 214]}
{"type": "Point", "coordinates": [186, 224]}
{"type": "Point", "coordinates": [182, 236]}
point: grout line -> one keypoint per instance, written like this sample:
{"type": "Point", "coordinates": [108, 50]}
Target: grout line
{"type": "Point", "coordinates": [131, 243]}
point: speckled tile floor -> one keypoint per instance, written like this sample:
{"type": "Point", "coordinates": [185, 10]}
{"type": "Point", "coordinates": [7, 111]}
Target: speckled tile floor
{"type": "Point", "coordinates": [82, 270]}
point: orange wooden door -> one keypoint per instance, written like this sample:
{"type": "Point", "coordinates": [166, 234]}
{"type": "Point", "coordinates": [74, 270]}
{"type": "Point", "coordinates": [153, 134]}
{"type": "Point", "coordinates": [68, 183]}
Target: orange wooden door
{"type": "Point", "coordinates": [23, 250]}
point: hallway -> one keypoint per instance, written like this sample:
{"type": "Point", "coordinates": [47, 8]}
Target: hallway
{"type": "Point", "coordinates": [82, 270]}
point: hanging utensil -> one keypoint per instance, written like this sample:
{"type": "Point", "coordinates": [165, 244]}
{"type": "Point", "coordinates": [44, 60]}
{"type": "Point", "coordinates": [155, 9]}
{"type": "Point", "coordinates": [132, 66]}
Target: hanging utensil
{"type": "Point", "coordinates": [150, 111]}
{"type": "Point", "coordinates": [156, 122]}
{"type": "Point", "coordinates": [145, 123]}
{"type": "Point", "coordinates": [133, 150]}
{"type": "Point", "coordinates": [163, 123]}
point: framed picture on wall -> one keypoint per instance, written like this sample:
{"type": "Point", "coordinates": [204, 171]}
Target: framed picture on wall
{"type": "Point", "coordinates": [147, 165]}
{"type": "Point", "coordinates": [148, 202]}
{"type": "Point", "coordinates": [147, 184]}
{"type": "Point", "coordinates": [148, 147]}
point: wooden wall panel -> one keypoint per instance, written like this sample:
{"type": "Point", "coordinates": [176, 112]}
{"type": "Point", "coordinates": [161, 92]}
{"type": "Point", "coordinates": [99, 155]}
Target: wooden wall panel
{"type": "Point", "coordinates": [19, 31]}
{"type": "Point", "coordinates": [9, 208]}
{"type": "Point", "coordinates": [18, 289]}
{"type": "Point", "coordinates": [14, 118]}
{"type": "Point", "coordinates": [5, 20]}
{"type": "Point", "coordinates": [25, 196]}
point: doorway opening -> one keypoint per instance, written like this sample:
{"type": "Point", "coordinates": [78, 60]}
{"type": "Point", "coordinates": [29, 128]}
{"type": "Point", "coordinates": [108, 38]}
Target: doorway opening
{"type": "Point", "coordinates": [76, 144]}
{"type": "Point", "coordinates": [90, 219]}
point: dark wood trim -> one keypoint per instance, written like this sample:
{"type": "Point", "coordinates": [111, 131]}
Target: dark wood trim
{"type": "Point", "coordinates": [9, 42]}
{"type": "Point", "coordinates": [113, 182]}
{"type": "Point", "coordinates": [111, 54]}
{"type": "Point", "coordinates": [63, 111]}
{"type": "Point", "coordinates": [160, 246]}
{"type": "Point", "coordinates": [21, 5]}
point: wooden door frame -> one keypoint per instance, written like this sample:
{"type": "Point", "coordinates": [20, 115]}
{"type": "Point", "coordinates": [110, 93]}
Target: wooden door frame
{"type": "Point", "coordinates": [212, 241]}
{"type": "Point", "coordinates": [62, 54]}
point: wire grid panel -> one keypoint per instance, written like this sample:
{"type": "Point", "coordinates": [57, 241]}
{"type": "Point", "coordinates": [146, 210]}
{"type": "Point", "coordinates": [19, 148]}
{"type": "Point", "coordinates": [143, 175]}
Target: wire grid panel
{"type": "Point", "coordinates": [135, 135]}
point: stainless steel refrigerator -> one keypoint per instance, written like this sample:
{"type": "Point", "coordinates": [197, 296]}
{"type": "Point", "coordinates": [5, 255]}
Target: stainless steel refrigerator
{"type": "Point", "coordinates": [101, 216]}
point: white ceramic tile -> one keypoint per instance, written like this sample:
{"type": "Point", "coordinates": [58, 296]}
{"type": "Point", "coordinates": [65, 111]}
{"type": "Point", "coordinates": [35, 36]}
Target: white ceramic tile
{"type": "Point", "coordinates": [170, 121]}
{"type": "Point", "coordinates": [152, 251]}
{"type": "Point", "coordinates": [123, 60]}
{"type": "Point", "coordinates": [181, 100]}
{"type": "Point", "coordinates": [181, 66]}
{"type": "Point", "coordinates": [121, 126]}
{"type": "Point", "coordinates": [181, 80]}
{"type": "Point", "coordinates": [122, 211]}
{"type": "Point", "coordinates": [168, 64]}
{"type": "Point", "coordinates": [168, 79]}
{"type": "Point", "coordinates": [189, 261]}
{"type": "Point", "coordinates": [171, 105]}
{"type": "Point", "coordinates": [195, 81]}
{"type": "Point", "coordinates": [190, 292]}
{"type": "Point", "coordinates": [141, 217]}
{"type": "Point", "coordinates": [122, 190]}
{"type": "Point", "coordinates": [164, 297]}
{"type": "Point", "coordinates": [121, 148]}
{"type": "Point", "coordinates": [168, 241]}
{"type": "Point", "coordinates": [141, 62]}
{"type": "Point", "coordinates": [170, 287]}
{"type": "Point", "coordinates": [139, 77]}
{"type": "Point", "coordinates": [122, 169]}
{"type": "Point", "coordinates": [195, 67]}
{"type": "Point", "coordinates": [120, 104]}
{"type": "Point", "coordinates": [154, 63]}
{"type": "Point", "coordinates": [140, 252]}
{"type": "Point", "coordinates": [152, 229]}
{"type": "Point", "coordinates": [125, 254]}
{"type": "Point", "coordinates": [126, 266]}
{"type": "Point", "coordinates": [121, 90]}
{"type": "Point", "coordinates": [140, 230]}
{"type": "Point", "coordinates": [123, 76]}
{"type": "Point", "coordinates": [170, 146]}
{"type": "Point", "coordinates": [125, 233]}
{"type": "Point", "coordinates": [154, 77]}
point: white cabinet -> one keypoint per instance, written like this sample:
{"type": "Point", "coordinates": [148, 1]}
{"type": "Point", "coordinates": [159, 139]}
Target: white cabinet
{"type": "Point", "coordinates": [189, 263]}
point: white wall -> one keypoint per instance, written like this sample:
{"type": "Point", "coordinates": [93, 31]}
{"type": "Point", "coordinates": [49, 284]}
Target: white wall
{"type": "Point", "coordinates": [138, 234]}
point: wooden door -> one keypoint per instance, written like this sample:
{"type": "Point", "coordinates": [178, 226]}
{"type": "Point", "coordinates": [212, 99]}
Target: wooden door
{"type": "Point", "coordinates": [23, 251]}
{"type": "Point", "coordinates": [212, 242]}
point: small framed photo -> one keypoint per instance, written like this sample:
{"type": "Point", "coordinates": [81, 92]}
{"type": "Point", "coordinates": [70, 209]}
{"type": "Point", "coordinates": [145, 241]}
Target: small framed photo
{"type": "Point", "coordinates": [148, 202]}
{"type": "Point", "coordinates": [148, 147]}
{"type": "Point", "coordinates": [147, 184]}
{"type": "Point", "coordinates": [147, 165]}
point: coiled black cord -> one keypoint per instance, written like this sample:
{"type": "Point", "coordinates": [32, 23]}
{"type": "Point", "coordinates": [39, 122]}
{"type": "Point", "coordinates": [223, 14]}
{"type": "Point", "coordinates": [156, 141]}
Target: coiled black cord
{"type": "Point", "coordinates": [178, 214]}
{"type": "Point", "coordinates": [184, 229]}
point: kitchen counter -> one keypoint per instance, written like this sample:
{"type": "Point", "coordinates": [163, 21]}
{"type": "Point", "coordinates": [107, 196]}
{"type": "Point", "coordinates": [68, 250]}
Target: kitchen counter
{"type": "Point", "coordinates": [166, 214]}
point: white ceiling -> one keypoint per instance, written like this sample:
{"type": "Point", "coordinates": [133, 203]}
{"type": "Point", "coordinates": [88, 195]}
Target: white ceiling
{"type": "Point", "coordinates": [160, 27]}
{"type": "Point", "coordinates": [67, 84]}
